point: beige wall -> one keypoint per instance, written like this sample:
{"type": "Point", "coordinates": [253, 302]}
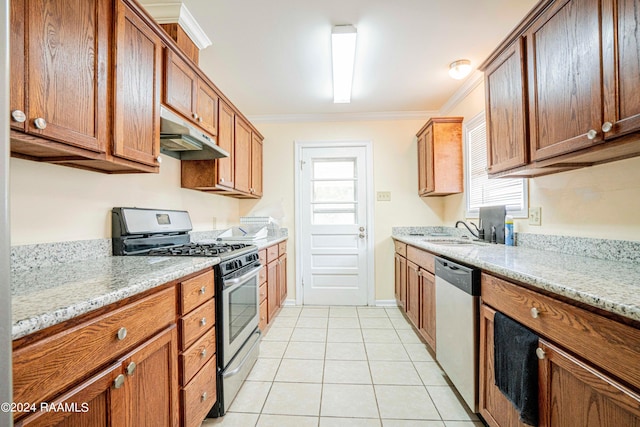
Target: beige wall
{"type": "Point", "coordinates": [600, 201]}
{"type": "Point", "coordinates": [51, 203]}
{"type": "Point", "coordinates": [395, 170]}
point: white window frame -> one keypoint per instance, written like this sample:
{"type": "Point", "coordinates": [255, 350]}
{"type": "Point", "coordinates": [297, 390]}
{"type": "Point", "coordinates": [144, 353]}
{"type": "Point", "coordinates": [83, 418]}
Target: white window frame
{"type": "Point", "coordinates": [473, 123]}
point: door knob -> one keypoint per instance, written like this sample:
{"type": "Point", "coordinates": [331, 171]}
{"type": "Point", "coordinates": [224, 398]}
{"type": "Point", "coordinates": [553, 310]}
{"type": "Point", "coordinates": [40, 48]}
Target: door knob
{"type": "Point", "coordinates": [361, 235]}
{"type": "Point", "coordinates": [361, 229]}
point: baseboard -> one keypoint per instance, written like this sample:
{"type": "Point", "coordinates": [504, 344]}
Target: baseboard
{"type": "Point", "coordinates": [386, 303]}
{"type": "Point", "coordinates": [289, 303]}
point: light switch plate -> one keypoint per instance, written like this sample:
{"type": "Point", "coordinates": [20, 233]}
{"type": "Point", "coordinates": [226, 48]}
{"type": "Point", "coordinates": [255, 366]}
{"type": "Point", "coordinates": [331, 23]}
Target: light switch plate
{"type": "Point", "coordinates": [535, 216]}
{"type": "Point", "coordinates": [383, 196]}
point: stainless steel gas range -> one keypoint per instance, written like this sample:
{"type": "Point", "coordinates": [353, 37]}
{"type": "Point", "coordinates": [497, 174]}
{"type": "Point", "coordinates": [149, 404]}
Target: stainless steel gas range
{"type": "Point", "coordinates": [156, 232]}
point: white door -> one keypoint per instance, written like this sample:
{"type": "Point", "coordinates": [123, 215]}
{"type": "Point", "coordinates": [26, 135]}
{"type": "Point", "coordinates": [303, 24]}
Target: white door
{"type": "Point", "coordinates": [333, 225]}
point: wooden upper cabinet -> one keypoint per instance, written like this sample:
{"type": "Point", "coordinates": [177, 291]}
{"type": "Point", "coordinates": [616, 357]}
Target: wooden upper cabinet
{"type": "Point", "coordinates": [565, 78]}
{"type": "Point", "coordinates": [226, 132]}
{"type": "Point", "coordinates": [242, 155]}
{"type": "Point", "coordinates": [440, 157]}
{"type": "Point", "coordinates": [17, 70]}
{"type": "Point", "coordinates": [506, 98]}
{"type": "Point", "coordinates": [180, 84]}
{"type": "Point", "coordinates": [207, 107]}
{"type": "Point", "coordinates": [136, 134]}
{"type": "Point", "coordinates": [621, 67]}
{"type": "Point", "coordinates": [66, 80]}
{"type": "Point", "coordinates": [256, 165]}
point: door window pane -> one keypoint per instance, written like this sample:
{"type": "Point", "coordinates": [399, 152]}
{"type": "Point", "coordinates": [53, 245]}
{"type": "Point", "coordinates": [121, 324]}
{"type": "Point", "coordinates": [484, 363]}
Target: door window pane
{"type": "Point", "coordinates": [334, 218]}
{"type": "Point", "coordinates": [334, 191]}
{"type": "Point", "coordinates": [334, 169]}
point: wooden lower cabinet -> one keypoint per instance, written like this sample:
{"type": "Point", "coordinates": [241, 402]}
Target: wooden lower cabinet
{"type": "Point", "coordinates": [401, 281]}
{"type": "Point", "coordinates": [413, 290]}
{"type": "Point", "coordinates": [273, 282]}
{"type": "Point", "coordinates": [427, 295]}
{"type": "Point", "coordinates": [273, 297]}
{"type": "Point", "coordinates": [282, 278]}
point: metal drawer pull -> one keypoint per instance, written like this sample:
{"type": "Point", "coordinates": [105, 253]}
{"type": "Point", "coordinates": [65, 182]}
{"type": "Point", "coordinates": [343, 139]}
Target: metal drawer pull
{"type": "Point", "coordinates": [535, 313]}
{"type": "Point", "coordinates": [119, 381]}
{"type": "Point", "coordinates": [203, 353]}
{"type": "Point", "coordinates": [18, 116]}
{"type": "Point", "coordinates": [122, 333]}
{"type": "Point", "coordinates": [592, 134]}
{"type": "Point", "coordinates": [40, 123]}
{"type": "Point", "coordinates": [203, 321]}
{"type": "Point", "coordinates": [203, 290]}
{"type": "Point", "coordinates": [131, 368]}
{"type": "Point", "coordinates": [540, 353]}
{"type": "Point", "coordinates": [204, 396]}
{"type": "Point", "coordinates": [607, 126]}
{"type": "Point", "coordinates": [159, 159]}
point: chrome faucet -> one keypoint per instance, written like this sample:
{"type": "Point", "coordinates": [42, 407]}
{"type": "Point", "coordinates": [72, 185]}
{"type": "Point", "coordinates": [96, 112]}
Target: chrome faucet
{"type": "Point", "coordinates": [479, 234]}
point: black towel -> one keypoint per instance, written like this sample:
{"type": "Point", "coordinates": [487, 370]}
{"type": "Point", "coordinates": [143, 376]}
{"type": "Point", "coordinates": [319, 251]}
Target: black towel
{"type": "Point", "coordinates": [516, 366]}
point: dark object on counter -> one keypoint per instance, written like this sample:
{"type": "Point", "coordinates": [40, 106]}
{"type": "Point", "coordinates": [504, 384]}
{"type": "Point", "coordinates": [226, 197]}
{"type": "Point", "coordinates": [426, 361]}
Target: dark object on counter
{"type": "Point", "coordinates": [493, 216]}
{"type": "Point", "coordinates": [516, 366]}
{"type": "Point", "coordinates": [478, 234]}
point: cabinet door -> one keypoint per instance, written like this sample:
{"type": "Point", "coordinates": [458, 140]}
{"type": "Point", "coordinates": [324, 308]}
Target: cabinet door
{"type": "Point", "coordinates": [242, 155]}
{"type": "Point", "coordinates": [137, 69]}
{"type": "Point", "coordinates": [574, 393]}
{"type": "Point", "coordinates": [429, 165]}
{"type": "Point", "coordinates": [207, 108]}
{"type": "Point", "coordinates": [226, 125]}
{"type": "Point", "coordinates": [428, 307]}
{"type": "Point", "coordinates": [151, 383]}
{"type": "Point", "coordinates": [401, 276]}
{"type": "Point", "coordinates": [495, 408]}
{"type": "Point", "coordinates": [282, 277]}
{"type": "Point", "coordinates": [17, 70]}
{"type": "Point", "coordinates": [256, 165]}
{"type": "Point", "coordinates": [179, 86]}
{"type": "Point", "coordinates": [565, 78]}
{"type": "Point", "coordinates": [96, 403]}
{"type": "Point", "coordinates": [505, 92]}
{"type": "Point", "coordinates": [413, 286]}
{"type": "Point", "coordinates": [422, 165]}
{"type": "Point", "coordinates": [68, 47]}
{"type": "Point", "coordinates": [273, 299]}
{"type": "Point", "coordinates": [621, 66]}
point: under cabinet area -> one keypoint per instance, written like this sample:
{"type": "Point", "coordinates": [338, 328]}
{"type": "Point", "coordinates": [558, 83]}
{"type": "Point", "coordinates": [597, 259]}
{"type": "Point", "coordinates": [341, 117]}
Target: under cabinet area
{"type": "Point", "coordinates": [440, 157]}
{"type": "Point", "coordinates": [587, 364]}
{"type": "Point", "coordinates": [545, 117]}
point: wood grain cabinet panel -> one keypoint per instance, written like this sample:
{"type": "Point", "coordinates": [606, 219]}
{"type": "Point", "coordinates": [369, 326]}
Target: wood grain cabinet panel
{"type": "Point", "coordinates": [17, 104]}
{"type": "Point", "coordinates": [196, 291]}
{"type": "Point", "coordinates": [282, 278]}
{"type": "Point", "coordinates": [179, 85]}
{"type": "Point", "coordinates": [413, 293]}
{"type": "Point", "coordinates": [440, 157]}
{"type": "Point", "coordinates": [401, 281]}
{"type": "Point", "coordinates": [242, 159]}
{"type": "Point", "coordinates": [506, 107]}
{"type": "Point", "coordinates": [256, 165]}
{"type": "Point", "coordinates": [207, 107]}
{"type": "Point", "coordinates": [273, 297]}
{"type": "Point", "coordinates": [136, 134]}
{"type": "Point", "coordinates": [427, 298]}
{"type": "Point", "coordinates": [197, 322]}
{"type": "Point", "coordinates": [226, 137]}
{"type": "Point", "coordinates": [199, 396]}
{"type": "Point", "coordinates": [195, 357]}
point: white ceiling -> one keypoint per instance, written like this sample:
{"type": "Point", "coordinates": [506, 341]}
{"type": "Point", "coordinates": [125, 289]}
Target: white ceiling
{"type": "Point", "coordinates": [273, 57]}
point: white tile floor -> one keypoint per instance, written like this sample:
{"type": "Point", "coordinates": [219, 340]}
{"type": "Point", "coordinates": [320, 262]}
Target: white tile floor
{"type": "Point", "coordinates": [337, 366]}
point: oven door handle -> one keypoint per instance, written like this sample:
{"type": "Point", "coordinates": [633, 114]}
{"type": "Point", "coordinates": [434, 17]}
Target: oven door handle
{"type": "Point", "coordinates": [244, 359]}
{"type": "Point", "coordinates": [242, 278]}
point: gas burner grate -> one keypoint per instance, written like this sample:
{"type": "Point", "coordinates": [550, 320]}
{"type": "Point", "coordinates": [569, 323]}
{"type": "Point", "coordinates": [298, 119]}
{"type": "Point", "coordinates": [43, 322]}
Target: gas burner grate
{"type": "Point", "coordinates": [198, 249]}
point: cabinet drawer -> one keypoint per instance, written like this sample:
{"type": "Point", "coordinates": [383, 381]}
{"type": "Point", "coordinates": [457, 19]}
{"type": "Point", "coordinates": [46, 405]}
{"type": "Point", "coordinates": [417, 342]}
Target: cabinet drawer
{"type": "Point", "coordinates": [196, 323]}
{"type": "Point", "coordinates": [401, 248]}
{"type": "Point", "coordinates": [196, 291]}
{"type": "Point", "coordinates": [52, 364]}
{"type": "Point", "coordinates": [282, 248]}
{"type": "Point", "coordinates": [263, 256]}
{"type": "Point", "coordinates": [196, 356]}
{"type": "Point", "coordinates": [199, 395]}
{"type": "Point", "coordinates": [263, 315]}
{"type": "Point", "coordinates": [263, 274]}
{"type": "Point", "coordinates": [424, 259]}
{"type": "Point", "coordinates": [610, 345]}
{"type": "Point", "coordinates": [263, 291]}
{"type": "Point", "coordinates": [272, 253]}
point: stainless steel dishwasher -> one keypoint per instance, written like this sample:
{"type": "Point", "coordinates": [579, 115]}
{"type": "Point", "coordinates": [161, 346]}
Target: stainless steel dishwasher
{"type": "Point", "coordinates": [457, 308]}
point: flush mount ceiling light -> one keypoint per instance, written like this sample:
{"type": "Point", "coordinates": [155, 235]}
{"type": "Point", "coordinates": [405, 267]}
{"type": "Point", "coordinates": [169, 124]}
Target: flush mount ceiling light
{"type": "Point", "coordinates": [343, 54]}
{"type": "Point", "coordinates": [459, 69]}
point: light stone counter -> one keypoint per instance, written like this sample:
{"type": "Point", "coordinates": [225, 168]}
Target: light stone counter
{"type": "Point", "coordinates": [613, 286]}
{"type": "Point", "coordinates": [50, 295]}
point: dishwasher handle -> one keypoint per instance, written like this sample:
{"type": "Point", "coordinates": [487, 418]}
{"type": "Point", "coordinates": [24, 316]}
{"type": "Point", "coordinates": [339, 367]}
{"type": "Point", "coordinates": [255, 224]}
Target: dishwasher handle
{"type": "Point", "coordinates": [460, 276]}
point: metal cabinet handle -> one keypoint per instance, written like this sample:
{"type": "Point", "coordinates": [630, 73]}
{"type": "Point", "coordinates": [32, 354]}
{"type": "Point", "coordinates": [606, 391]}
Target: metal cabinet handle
{"type": "Point", "coordinates": [203, 353]}
{"type": "Point", "coordinates": [122, 333]}
{"type": "Point", "coordinates": [199, 119]}
{"type": "Point", "coordinates": [203, 321]}
{"type": "Point", "coordinates": [607, 126]}
{"type": "Point", "coordinates": [221, 179]}
{"type": "Point", "coordinates": [592, 134]}
{"type": "Point", "coordinates": [540, 353]}
{"type": "Point", "coordinates": [204, 396]}
{"type": "Point", "coordinates": [131, 368]}
{"type": "Point", "coordinates": [203, 290]}
{"type": "Point", "coordinates": [535, 313]}
{"type": "Point", "coordinates": [18, 116]}
{"type": "Point", "coordinates": [159, 159]}
{"type": "Point", "coordinates": [40, 123]}
{"type": "Point", "coordinates": [119, 381]}
{"type": "Point", "coordinates": [195, 116]}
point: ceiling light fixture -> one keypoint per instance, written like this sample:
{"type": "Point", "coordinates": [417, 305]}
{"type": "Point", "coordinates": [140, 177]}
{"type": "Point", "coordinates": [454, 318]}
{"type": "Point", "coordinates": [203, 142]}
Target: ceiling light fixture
{"type": "Point", "coordinates": [343, 54]}
{"type": "Point", "coordinates": [460, 69]}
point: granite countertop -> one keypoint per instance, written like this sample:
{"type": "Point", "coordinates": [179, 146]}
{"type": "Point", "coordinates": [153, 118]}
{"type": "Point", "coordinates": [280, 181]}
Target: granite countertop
{"type": "Point", "coordinates": [613, 286]}
{"type": "Point", "coordinates": [50, 295]}
{"type": "Point", "coordinates": [261, 243]}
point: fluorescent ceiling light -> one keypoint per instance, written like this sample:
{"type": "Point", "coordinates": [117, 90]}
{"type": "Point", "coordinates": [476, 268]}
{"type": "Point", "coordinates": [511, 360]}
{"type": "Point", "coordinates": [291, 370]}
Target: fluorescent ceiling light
{"type": "Point", "coordinates": [343, 53]}
{"type": "Point", "coordinates": [459, 69]}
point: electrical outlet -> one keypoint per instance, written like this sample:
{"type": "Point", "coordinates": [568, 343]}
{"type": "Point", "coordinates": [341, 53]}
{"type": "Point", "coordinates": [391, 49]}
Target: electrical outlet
{"type": "Point", "coordinates": [214, 222]}
{"type": "Point", "coordinates": [535, 216]}
{"type": "Point", "coordinates": [383, 196]}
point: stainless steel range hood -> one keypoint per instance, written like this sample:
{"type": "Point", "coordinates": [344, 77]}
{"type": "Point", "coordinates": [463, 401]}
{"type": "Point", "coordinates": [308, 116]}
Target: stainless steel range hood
{"type": "Point", "coordinates": [182, 140]}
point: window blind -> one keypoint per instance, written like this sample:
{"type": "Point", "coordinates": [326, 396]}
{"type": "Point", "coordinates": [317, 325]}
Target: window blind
{"type": "Point", "coordinates": [482, 191]}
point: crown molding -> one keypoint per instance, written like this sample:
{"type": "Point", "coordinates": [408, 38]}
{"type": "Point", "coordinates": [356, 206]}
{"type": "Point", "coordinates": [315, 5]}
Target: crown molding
{"type": "Point", "coordinates": [343, 117]}
{"type": "Point", "coordinates": [170, 13]}
{"type": "Point", "coordinates": [472, 82]}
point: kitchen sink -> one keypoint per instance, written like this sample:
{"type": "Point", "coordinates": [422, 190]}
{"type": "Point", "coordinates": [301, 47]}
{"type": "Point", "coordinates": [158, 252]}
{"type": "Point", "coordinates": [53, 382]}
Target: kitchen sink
{"type": "Point", "coordinates": [455, 242]}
